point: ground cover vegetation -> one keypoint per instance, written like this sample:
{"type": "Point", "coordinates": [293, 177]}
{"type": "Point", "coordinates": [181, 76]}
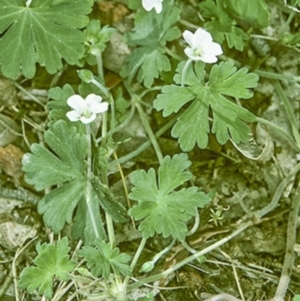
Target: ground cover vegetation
{"type": "Point", "coordinates": [149, 150]}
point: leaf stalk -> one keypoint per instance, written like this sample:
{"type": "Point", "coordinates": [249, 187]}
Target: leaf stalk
{"type": "Point", "coordinates": [89, 181]}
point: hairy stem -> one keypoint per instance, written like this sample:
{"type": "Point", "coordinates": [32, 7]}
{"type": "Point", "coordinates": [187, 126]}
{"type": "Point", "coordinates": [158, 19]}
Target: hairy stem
{"type": "Point", "coordinates": [99, 65]}
{"type": "Point", "coordinates": [136, 257]}
{"type": "Point", "coordinates": [278, 193]}
{"type": "Point", "coordinates": [289, 111]}
{"type": "Point", "coordinates": [149, 132]}
{"type": "Point", "coordinates": [189, 259]}
{"type": "Point", "coordinates": [104, 178]}
{"type": "Point", "coordinates": [280, 131]}
{"type": "Point", "coordinates": [184, 70]}
{"type": "Point", "coordinates": [143, 147]}
{"type": "Point", "coordinates": [88, 198]}
{"type": "Point", "coordinates": [289, 254]}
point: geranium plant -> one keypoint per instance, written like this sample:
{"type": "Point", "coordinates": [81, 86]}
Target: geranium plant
{"type": "Point", "coordinates": [193, 83]}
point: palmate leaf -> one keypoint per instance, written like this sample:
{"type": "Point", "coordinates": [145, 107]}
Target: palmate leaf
{"type": "Point", "coordinates": [151, 33]}
{"type": "Point", "coordinates": [254, 12]}
{"type": "Point", "coordinates": [58, 102]}
{"type": "Point", "coordinates": [161, 209]}
{"type": "Point", "coordinates": [51, 261]}
{"type": "Point", "coordinates": [229, 119]}
{"type": "Point", "coordinates": [102, 260]}
{"type": "Point", "coordinates": [45, 32]}
{"type": "Point", "coordinates": [44, 168]}
{"type": "Point", "coordinates": [64, 166]}
{"type": "Point", "coordinates": [222, 26]}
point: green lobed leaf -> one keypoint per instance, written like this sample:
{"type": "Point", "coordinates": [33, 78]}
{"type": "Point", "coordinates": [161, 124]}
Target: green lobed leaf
{"type": "Point", "coordinates": [222, 26]}
{"type": "Point", "coordinates": [44, 168]}
{"type": "Point", "coordinates": [153, 64]}
{"type": "Point", "coordinates": [51, 261]}
{"type": "Point", "coordinates": [102, 260]}
{"type": "Point", "coordinates": [173, 166]}
{"type": "Point", "coordinates": [45, 32]}
{"type": "Point", "coordinates": [229, 119]}
{"type": "Point", "coordinates": [74, 147]}
{"type": "Point", "coordinates": [64, 165]}
{"type": "Point", "coordinates": [161, 209]}
{"type": "Point", "coordinates": [151, 33]}
{"type": "Point", "coordinates": [291, 40]}
{"type": "Point", "coordinates": [82, 227]}
{"type": "Point", "coordinates": [107, 201]}
{"type": "Point", "coordinates": [58, 205]}
{"type": "Point", "coordinates": [96, 38]}
{"type": "Point", "coordinates": [155, 29]}
{"type": "Point", "coordinates": [58, 101]}
{"type": "Point", "coordinates": [254, 12]}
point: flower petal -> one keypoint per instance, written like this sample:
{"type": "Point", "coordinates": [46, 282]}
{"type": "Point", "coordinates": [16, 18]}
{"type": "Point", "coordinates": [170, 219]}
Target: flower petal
{"type": "Point", "coordinates": [202, 47]}
{"type": "Point", "coordinates": [76, 102]}
{"type": "Point", "coordinates": [100, 108]}
{"type": "Point", "coordinates": [202, 37]}
{"type": "Point", "coordinates": [190, 53]}
{"type": "Point", "coordinates": [148, 4]}
{"type": "Point", "coordinates": [189, 37]}
{"type": "Point", "coordinates": [158, 6]}
{"type": "Point", "coordinates": [87, 120]}
{"type": "Point", "coordinates": [73, 115]}
{"type": "Point", "coordinates": [208, 58]}
{"type": "Point", "coordinates": [216, 48]}
{"type": "Point", "coordinates": [93, 98]}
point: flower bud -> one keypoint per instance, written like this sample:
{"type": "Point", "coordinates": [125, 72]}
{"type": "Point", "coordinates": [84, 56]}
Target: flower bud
{"type": "Point", "coordinates": [147, 267]}
{"type": "Point", "coordinates": [86, 75]}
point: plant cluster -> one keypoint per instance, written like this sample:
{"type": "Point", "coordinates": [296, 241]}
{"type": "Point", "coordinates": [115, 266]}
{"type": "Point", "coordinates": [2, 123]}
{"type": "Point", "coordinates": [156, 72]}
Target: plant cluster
{"type": "Point", "coordinates": [191, 74]}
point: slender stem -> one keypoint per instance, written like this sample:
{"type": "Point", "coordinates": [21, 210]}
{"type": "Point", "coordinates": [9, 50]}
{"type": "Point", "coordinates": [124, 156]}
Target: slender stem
{"type": "Point", "coordinates": [101, 87]}
{"type": "Point", "coordinates": [113, 113]}
{"type": "Point", "coordinates": [278, 193]}
{"type": "Point", "coordinates": [143, 147]}
{"type": "Point", "coordinates": [273, 75]}
{"type": "Point", "coordinates": [244, 207]}
{"type": "Point", "coordinates": [34, 98]}
{"type": "Point", "coordinates": [138, 253]}
{"type": "Point", "coordinates": [187, 247]}
{"type": "Point", "coordinates": [88, 198]}
{"type": "Point", "coordinates": [196, 225]}
{"type": "Point", "coordinates": [6, 283]}
{"type": "Point", "coordinates": [172, 54]}
{"type": "Point", "coordinates": [184, 70]}
{"type": "Point", "coordinates": [190, 258]}
{"type": "Point", "coordinates": [280, 131]}
{"type": "Point", "coordinates": [99, 65]}
{"type": "Point", "coordinates": [289, 254]}
{"type": "Point", "coordinates": [164, 251]}
{"type": "Point", "coordinates": [285, 26]}
{"type": "Point", "coordinates": [149, 132]}
{"type": "Point", "coordinates": [121, 125]}
{"type": "Point", "coordinates": [289, 112]}
{"type": "Point", "coordinates": [136, 257]}
{"type": "Point", "coordinates": [104, 178]}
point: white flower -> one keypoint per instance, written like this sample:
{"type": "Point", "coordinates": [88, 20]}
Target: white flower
{"type": "Point", "coordinates": [150, 4]}
{"type": "Point", "coordinates": [202, 48]}
{"type": "Point", "coordinates": [86, 109]}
